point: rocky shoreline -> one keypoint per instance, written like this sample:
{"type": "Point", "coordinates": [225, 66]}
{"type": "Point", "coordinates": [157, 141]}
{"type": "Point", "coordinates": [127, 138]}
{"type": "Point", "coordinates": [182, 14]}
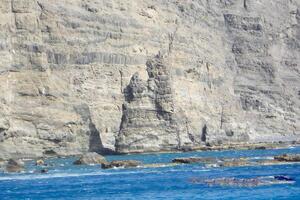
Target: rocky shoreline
{"type": "Point", "coordinates": [93, 158]}
{"type": "Point", "coordinates": [135, 77]}
{"type": "Point", "coordinates": [232, 146]}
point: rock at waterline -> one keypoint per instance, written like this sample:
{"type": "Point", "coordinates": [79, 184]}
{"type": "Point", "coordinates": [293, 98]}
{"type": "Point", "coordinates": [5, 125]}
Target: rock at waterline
{"type": "Point", "coordinates": [90, 158]}
{"type": "Point", "coordinates": [39, 162]}
{"type": "Point", "coordinates": [14, 166]}
{"type": "Point", "coordinates": [44, 171]}
{"type": "Point", "coordinates": [194, 160]}
{"type": "Point", "coordinates": [283, 178]}
{"type": "Point", "coordinates": [288, 158]}
{"type": "Point", "coordinates": [121, 163]}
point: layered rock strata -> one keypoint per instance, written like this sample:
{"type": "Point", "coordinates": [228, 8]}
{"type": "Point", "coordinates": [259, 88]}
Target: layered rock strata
{"type": "Point", "coordinates": [232, 75]}
{"type": "Point", "coordinates": [148, 122]}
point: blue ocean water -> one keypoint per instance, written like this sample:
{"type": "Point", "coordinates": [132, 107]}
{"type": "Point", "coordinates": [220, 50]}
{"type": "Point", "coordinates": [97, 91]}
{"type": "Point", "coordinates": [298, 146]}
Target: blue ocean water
{"type": "Point", "coordinates": [66, 181]}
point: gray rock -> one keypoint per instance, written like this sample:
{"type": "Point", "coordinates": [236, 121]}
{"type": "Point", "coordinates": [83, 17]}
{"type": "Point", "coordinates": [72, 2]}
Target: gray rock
{"type": "Point", "coordinates": [121, 164]}
{"type": "Point", "coordinates": [90, 158]}
{"type": "Point", "coordinates": [148, 122]}
{"type": "Point", "coordinates": [194, 160]}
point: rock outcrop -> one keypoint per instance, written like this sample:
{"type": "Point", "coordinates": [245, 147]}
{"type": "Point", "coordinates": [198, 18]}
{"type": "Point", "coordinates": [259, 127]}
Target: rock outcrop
{"type": "Point", "coordinates": [195, 160]}
{"type": "Point", "coordinates": [148, 122]}
{"type": "Point", "coordinates": [40, 162]}
{"type": "Point", "coordinates": [288, 158]}
{"type": "Point", "coordinates": [121, 164]}
{"type": "Point", "coordinates": [91, 158]}
{"type": "Point", "coordinates": [229, 74]}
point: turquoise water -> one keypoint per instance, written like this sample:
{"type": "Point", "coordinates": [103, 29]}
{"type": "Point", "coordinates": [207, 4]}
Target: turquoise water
{"type": "Point", "coordinates": [66, 181]}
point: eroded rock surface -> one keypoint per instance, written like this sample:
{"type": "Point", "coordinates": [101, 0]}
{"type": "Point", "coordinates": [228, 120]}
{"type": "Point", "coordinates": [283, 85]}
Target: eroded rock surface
{"type": "Point", "coordinates": [91, 158]}
{"type": "Point", "coordinates": [195, 160]}
{"type": "Point", "coordinates": [121, 164]}
{"type": "Point", "coordinates": [230, 75]}
{"type": "Point", "coordinates": [148, 122]}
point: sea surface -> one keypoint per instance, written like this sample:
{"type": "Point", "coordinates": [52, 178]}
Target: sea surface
{"type": "Point", "coordinates": [66, 181]}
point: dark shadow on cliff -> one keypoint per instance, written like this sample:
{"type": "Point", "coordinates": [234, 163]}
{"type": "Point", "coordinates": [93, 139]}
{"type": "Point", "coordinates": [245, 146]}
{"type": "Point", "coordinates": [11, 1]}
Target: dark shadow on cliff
{"type": "Point", "coordinates": [95, 142]}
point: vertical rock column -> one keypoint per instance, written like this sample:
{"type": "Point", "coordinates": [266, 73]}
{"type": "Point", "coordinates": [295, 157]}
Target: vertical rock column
{"type": "Point", "coordinates": [148, 122]}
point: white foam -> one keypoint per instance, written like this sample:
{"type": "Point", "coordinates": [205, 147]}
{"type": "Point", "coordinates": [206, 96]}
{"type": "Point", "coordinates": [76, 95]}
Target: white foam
{"type": "Point", "coordinates": [47, 176]}
{"type": "Point", "coordinates": [266, 158]}
{"type": "Point", "coordinates": [63, 175]}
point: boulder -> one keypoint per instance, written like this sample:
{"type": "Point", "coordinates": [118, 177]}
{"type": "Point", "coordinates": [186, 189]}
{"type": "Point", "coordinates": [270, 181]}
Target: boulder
{"type": "Point", "coordinates": [14, 166]}
{"type": "Point", "coordinates": [90, 158]}
{"type": "Point", "coordinates": [194, 160]}
{"type": "Point", "coordinates": [40, 162]}
{"type": "Point", "coordinates": [288, 158]}
{"type": "Point", "coordinates": [121, 163]}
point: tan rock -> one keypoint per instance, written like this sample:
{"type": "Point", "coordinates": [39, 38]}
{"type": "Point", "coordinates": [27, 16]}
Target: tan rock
{"type": "Point", "coordinates": [40, 162]}
{"type": "Point", "coordinates": [90, 158]}
{"type": "Point", "coordinates": [194, 160]}
{"type": "Point", "coordinates": [288, 158]}
{"type": "Point", "coordinates": [121, 164]}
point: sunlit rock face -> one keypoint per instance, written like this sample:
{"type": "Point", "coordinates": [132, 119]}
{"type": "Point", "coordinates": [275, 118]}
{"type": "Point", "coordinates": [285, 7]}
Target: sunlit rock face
{"type": "Point", "coordinates": [209, 72]}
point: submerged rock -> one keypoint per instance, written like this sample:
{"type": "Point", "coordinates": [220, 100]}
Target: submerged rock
{"type": "Point", "coordinates": [90, 158]}
{"type": "Point", "coordinates": [121, 163]}
{"type": "Point", "coordinates": [236, 163]}
{"type": "Point", "coordinates": [284, 178]}
{"type": "Point", "coordinates": [194, 160]}
{"type": "Point", "coordinates": [288, 158]}
{"type": "Point", "coordinates": [244, 182]}
{"type": "Point", "coordinates": [14, 166]}
{"type": "Point", "coordinates": [44, 171]}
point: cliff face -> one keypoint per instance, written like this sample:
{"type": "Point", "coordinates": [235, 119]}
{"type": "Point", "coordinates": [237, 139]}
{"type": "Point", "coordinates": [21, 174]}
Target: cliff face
{"type": "Point", "coordinates": [143, 75]}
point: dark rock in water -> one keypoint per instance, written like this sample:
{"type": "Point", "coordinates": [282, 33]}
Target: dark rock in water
{"type": "Point", "coordinates": [194, 160]}
{"type": "Point", "coordinates": [44, 171]}
{"type": "Point", "coordinates": [260, 148]}
{"type": "Point", "coordinates": [288, 158]}
{"type": "Point", "coordinates": [284, 178]}
{"type": "Point", "coordinates": [14, 166]}
{"type": "Point", "coordinates": [90, 158]}
{"type": "Point", "coordinates": [121, 163]}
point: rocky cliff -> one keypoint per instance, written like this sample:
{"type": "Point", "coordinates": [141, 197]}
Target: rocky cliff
{"type": "Point", "coordinates": [137, 75]}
